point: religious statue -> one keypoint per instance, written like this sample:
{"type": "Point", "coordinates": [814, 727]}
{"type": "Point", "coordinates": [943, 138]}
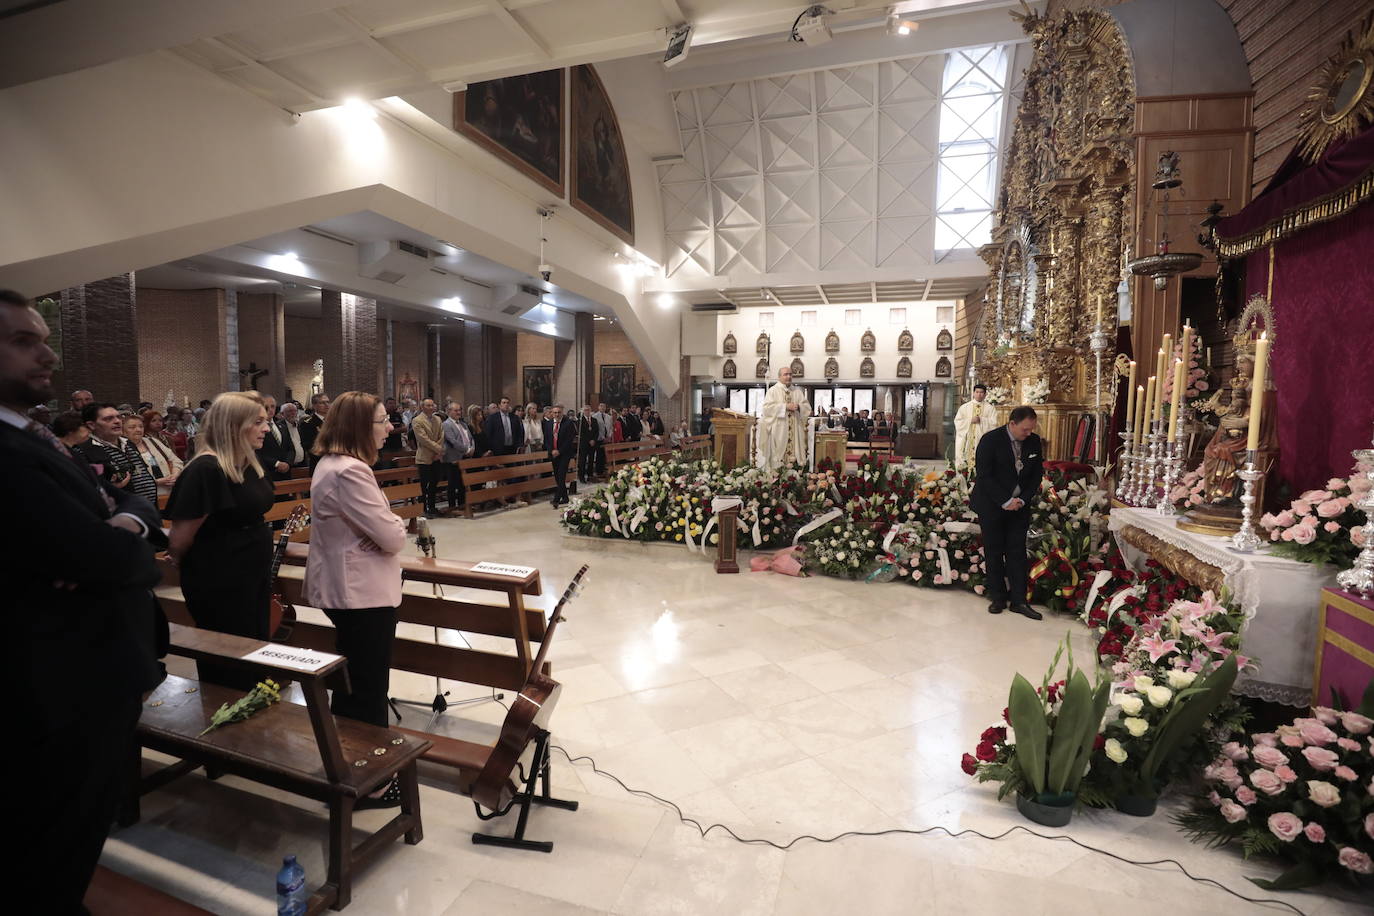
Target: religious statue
{"type": "Point", "coordinates": [409, 387]}
{"type": "Point", "coordinates": [782, 424]}
{"type": "Point", "coordinates": [971, 422]}
{"type": "Point", "coordinates": [1225, 454]}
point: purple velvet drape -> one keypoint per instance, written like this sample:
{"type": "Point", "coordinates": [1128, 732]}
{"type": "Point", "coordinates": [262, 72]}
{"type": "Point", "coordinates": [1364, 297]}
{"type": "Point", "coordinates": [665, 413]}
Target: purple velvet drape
{"type": "Point", "coordinates": [1323, 361]}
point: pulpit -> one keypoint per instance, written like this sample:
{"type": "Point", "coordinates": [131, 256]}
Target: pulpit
{"type": "Point", "coordinates": [734, 435]}
{"type": "Point", "coordinates": [830, 443]}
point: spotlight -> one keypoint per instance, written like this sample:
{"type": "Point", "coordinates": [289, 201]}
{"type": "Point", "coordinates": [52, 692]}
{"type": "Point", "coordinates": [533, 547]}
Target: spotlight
{"type": "Point", "coordinates": [811, 27]}
{"type": "Point", "coordinates": [897, 26]}
{"type": "Point", "coordinates": [453, 304]}
{"type": "Point", "coordinates": [360, 109]}
{"type": "Point", "coordinates": [679, 43]}
{"type": "Point", "coordinates": [666, 300]}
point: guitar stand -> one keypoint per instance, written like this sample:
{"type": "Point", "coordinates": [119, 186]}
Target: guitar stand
{"type": "Point", "coordinates": [527, 796]}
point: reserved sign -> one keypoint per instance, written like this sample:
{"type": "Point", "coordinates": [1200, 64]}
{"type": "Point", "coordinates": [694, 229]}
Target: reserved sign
{"type": "Point", "coordinates": [291, 657]}
{"type": "Point", "coordinates": [502, 569]}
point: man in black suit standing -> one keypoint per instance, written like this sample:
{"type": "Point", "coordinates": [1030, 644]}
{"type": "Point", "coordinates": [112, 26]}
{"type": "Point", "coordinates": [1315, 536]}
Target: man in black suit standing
{"type": "Point", "coordinates": [505, 434]}
{"type": "Point", "coordinates": [588, 443]}
{"type": "Point", "coordinates": [633, 426]}
{"type": "Point", "coordinates": [276, 452]}
{"type": "Point", "coordinates": [79, 574]}
{"type": "Point", "coordinates": [1010, 464]}
{"type": "Point", "coordinates": [560, 439]}
{"type": "Point", "coordinates": [309, 428]}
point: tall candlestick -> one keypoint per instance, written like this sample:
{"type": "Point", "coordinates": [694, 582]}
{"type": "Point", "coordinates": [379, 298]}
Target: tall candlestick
{"type": "Point", "coordinates": [1099, 311]}
{"type": "Point", "coordinates": [1177, 404]}
{"type": "Point", "coordinates": [1257, 391]}
{"type": "Point", "coordinates": [1130, 399]}
{"type": "Point", "coordinates": [1139, 412]}
{"type": "Point", "coordinates": [1151, 406]}
{"type": "Point", "coordinates": [1166, 354]}
{"type": "Point", "coordinates": [1187, 347]}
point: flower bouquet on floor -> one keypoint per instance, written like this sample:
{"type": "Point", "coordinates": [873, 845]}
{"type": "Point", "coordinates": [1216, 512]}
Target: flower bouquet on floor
{"type": "Point", "coordinates": [1056, 728]}
{"type": "Point", "coordinates": [1151, 724]}
{"type": "Point", "coordinates": [1303, 793]}
{"type": "Point", "coordinates": [1321, 526]}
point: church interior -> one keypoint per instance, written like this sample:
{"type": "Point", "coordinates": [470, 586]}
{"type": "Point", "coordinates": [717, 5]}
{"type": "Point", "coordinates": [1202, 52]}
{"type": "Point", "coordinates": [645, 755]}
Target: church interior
{"type": "Point", "coordinates": [690, 456]}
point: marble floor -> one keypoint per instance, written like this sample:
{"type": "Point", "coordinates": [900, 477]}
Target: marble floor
{"type": "Point", "coordinates": [773, 705]}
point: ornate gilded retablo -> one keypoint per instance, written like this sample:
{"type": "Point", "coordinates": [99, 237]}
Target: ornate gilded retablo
{"type": "Point", "coordinates": [868, 343]}
{"type": "Point", "coordinates": [832, 342]}
{"type": "Point", "coordinates": [730, 345]}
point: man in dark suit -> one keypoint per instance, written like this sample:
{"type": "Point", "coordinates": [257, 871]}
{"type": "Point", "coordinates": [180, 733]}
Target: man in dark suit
{"type": "Point", "coordinates": [79, 573]}
{"type": "Point", "coordinates": [309, 428]}
{"type": "Point", "coordinates": [1009, 463]}
{"type": "Point", "coordinates": [276, 452]}
{"type": "Point", "coordinates": [588, 442]}
{"type": "Point", "coordinates": [560, 438]}
{"type": "Point", "coordinates": [505, 434]}
{"type": "Point", "coordinates": [863, 427]}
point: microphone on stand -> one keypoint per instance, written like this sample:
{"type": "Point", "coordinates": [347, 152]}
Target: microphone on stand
{"type": "Point", "coordinates": [423, 539]}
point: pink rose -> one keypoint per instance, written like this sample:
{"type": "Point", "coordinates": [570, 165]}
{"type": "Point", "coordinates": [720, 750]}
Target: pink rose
{"type": "Point", "coordinates": [1335, 483]}
{"type": "Point", "coordinates": [1332, 508]}
{"type": "Point", "coordinates": [1369, 825]}
{"type": "Point", "coordinates": [1314, 732]}
{"type": "Point", "coordinates": [1291, 740]}
{"type": "Point", "coordinates": [1284, 518]}
{"type": "Point", "coordinates": [1269, 756]}
{"type": "Point", "coordinates": [1233, 750]}
{"type": "Point", "coordinates": [1357, 536]}
{"type": "Point", "coordinates": [1266, 782]}
{"type": "Point", "coordinates": [1285, 774]}
{"type": "Point", "coordinates": [1201, 385]}
{"type": "Point", "coordinates": [1344, 772]}
{"type": "Point", "coordinates": [1301, 507]}
{"type": "Point", "coordinates": [1233, 812]}
{"type": "Point", "coordinates": [1356, 724]}
{"type": "Point", "coordinates": [1359, 486]}
{"type": "Point", "coordinates": [1320, 758]}
{"type": "Point", "coordinates": [1315, 832]}
{"type": "Point", "coordinates": [1246, 795]}
{"type": "Point", "coordinates": [1325, 715]}
{"type": "Point", "coordinates": [1215, 799]}
{"type": "Point", "coordinates": [1230, 776]}
{"type": "Point", "coordinates": [1348, 744]}
{"type": "Point", "coordinates": [1301, 534]}
{"type": "Point", "coordinates": [1355, 860]}
{"type": "Point", "coordinates": [1267, 739]}
{"type": "Point", "coordinates": [1284, 825]}
{"type": "Point", "coordinates": [1332, 527]}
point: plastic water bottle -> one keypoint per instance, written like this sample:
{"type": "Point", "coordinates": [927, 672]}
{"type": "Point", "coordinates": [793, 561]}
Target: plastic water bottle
{"type": "Point", "coordinates": [291, 893]}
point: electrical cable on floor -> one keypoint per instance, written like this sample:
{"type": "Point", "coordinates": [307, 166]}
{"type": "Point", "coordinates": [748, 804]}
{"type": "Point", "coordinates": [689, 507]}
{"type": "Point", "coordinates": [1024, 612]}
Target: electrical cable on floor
{"type": "Point", "coordinates": [1017, 828]}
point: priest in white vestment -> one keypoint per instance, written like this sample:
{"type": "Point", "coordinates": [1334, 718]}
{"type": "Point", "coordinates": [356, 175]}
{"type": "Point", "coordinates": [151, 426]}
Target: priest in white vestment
{"type": "Point", "coordinates": [782, 424]}
{"type": "Point", "coordinates": [973, 420]}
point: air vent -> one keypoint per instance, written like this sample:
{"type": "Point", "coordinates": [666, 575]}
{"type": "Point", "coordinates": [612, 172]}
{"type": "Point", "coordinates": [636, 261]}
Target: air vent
{"type": "Point", "coordinates": [326, 234]}
{"type": "Point", "coordinates": [714, 307]}
{"type": "Point", "coordinates": [514, 310]}
{"type": "Point", "coordinates": [532, 291]}
{"type": "Point", "coordinates": [438, 270]}
{"type": "Point", "coordinates": [411, 248]}
{"type": "Point", "coordinates": [389, 276]}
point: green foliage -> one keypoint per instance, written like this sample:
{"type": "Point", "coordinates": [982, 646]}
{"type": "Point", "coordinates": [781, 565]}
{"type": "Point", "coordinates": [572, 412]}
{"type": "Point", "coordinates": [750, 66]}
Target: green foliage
{"type": "Point", "coordinates": [1027, 716]}
{"type": "Point", "coordinates": [1185, 719]}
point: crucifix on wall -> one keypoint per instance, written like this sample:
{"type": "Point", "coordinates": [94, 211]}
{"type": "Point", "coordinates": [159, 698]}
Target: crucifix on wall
{"type": "Point", "coordinates": [252, 374]}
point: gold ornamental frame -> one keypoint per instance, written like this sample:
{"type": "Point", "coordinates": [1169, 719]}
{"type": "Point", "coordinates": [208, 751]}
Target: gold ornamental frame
{"type": "Point", "coordinates": [1341, 102]}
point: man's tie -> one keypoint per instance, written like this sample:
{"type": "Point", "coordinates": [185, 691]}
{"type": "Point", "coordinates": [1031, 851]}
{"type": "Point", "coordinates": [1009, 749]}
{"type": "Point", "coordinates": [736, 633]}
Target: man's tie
{"type": "Point", "coordinates": [554, 444]}
{"type": "Point", "coordinates": [48, 436]}
{"type": "Point", "coordinates": [276, 431]}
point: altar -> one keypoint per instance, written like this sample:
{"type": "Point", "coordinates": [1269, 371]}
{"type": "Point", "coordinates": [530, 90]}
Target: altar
{"type": "Point", "coordinates": [1281, 598]}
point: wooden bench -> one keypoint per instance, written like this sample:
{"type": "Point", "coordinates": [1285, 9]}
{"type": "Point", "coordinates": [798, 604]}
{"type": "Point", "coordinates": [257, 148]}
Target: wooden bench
{"type": "Point", "coordinates": [513, 475]}
{"type": "Point", "coordinates": [621, 454]}
{"type": "Point", "coordinates": [304, 750]}
{"type": "Point", "coordinates": [401, 486]}
{"type": "Point", "coordinates": [696, 447]}
{"type": "Point", "coordinates": [113, 894]}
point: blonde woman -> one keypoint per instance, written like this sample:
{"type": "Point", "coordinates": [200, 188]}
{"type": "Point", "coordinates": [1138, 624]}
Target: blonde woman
{"type": "Point", "coordinates": [534, 428]}
{"type": "Point", "coordinates": [219, 538]}
{"type": "Point", "coordinates": [157, 456]}
{"type": "Point", "coordinates": [353, 573]}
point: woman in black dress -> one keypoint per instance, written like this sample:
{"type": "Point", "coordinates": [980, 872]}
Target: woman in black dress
{"type": "Point", "coordinates": [219, 539]}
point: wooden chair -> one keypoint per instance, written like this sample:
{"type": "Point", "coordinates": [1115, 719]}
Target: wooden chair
{"type": "Point", "coordinates": [696, 447]}
{"type": "Point", "coordinates": [304, 750]}
{"type": "Point", "coordinates": [513, 475]}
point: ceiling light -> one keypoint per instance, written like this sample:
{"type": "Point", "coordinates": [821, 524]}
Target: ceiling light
{"type": "Point", "coordinates": [548, 327]}
{"type": "Point", "coordinates": [898, 26]}
{"type": "Point", "coordinates": [666, 300]}
{"type": "Point", "coordinates": [285, 261]}
{"type": "Point", "coordinates": [452, 304]}
{"type": "Point", "coordinates": [811, 26]}
{"type": "Point", "coordinates": [360, 109]}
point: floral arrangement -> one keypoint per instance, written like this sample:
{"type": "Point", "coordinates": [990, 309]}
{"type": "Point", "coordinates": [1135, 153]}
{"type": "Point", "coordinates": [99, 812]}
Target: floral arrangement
{"type": "Point", "coordinates": [1303, 793]}
{"type": "Point", "coordinates": [1187, 493]}
{"type": "Point", "coordinates": [1156, 589]}
{"type": "Point", "coordinates": [843, 548]}
{"type": "Point", "coordinates": [1198, 389]}
{"type": "Point", "coordinates": [997, 396]}
{"type": "Point", "coordinates": [1037, 392]}
{"type": "Point", "coordinates": [259, 698]}
{"type": "Point", "coordinates": [1322, 526]}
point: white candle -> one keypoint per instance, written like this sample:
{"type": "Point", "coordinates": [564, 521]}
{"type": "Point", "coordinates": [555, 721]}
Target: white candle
{"type": "Point", "coordinates": [1257, 391]}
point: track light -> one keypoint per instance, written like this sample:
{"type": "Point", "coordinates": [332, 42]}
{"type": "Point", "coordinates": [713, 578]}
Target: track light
{"type": "Point", "coordinates": [898, 26]}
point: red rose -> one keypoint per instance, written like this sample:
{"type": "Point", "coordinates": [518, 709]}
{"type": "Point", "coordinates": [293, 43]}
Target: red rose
{"type": "Point", "coordinates": [993, 733]}
{"type": "Point", "coordinates": [1006, 714]}
{"type": "Point", "coordinates": [969, 764]}
{"type": "Point", "coordinates": [986, 752]}
{"type": "Point", "coordinates": [1099, 742]}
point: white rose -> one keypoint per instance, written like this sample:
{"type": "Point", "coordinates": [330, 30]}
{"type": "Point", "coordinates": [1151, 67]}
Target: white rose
{"type": "Point", "coordinates": [1130, 704]}
{"type": "Point", "coordinates": [1180, 679]}
{"type": "Point", "coordinates": [1143, 683]}
{"type": "Point", "coordinates": [1136, 727]}
{"type": "Point", "coordinates": [840, 555]}
{"type": "Point", "coordinates": [1159, 696]}
{"type": "Point", "coordinates": [1115, 752]}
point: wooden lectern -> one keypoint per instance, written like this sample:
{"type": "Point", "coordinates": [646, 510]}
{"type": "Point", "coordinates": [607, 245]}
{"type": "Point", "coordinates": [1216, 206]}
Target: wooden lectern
{"type": "Point", "coordinates": [733, 435]}
{"type": "Point", "coordinates": [726, 554]}
{"type": "Point", "coordinates": [831, 443]}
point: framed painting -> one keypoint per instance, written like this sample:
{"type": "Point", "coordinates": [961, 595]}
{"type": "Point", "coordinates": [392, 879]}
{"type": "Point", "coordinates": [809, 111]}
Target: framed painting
{"type": "Point", "coordinates": [600, 171]}
{"type": "Point", "coordinates": [539, 385]}
{"type": "Point", "coordinates": [518, 119]}
{"type": "Point", "coordinates": [617, 385]}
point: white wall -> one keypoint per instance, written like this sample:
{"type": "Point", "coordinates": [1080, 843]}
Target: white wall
{"type": "Point", "coordinates": [151, 159]}
{"type": "Point", "coordinates": [920, 319]}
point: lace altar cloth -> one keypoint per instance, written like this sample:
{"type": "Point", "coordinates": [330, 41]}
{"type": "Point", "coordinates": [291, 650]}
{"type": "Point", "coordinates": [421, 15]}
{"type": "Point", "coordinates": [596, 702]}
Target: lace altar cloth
{"type": "Point", "coordinates": [1281, 599]}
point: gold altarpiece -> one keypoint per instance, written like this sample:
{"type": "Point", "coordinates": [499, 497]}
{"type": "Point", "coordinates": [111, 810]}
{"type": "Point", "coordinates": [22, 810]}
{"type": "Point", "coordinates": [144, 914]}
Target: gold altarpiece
{"type": "Point", "coordinates": [1057, 248]}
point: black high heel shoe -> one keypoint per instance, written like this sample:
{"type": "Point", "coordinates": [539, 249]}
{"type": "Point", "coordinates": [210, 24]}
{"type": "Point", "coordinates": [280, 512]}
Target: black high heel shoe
{"type": "Point", "coordinates": [391, 798]}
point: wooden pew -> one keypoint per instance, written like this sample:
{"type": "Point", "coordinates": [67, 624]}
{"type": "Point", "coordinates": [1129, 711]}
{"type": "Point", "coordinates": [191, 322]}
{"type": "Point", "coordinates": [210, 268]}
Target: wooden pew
{"type": "Point", "coordinates": [620, 454]}
{"type": "Point", "coordinates": [513, 475]}
{"type": "Point", "coordinates": [304, 750]}
{"type": "Point", "coordinates": [696, 447]}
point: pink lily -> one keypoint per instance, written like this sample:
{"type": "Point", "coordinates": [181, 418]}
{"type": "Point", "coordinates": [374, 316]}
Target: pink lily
{"type": "Point", "coordinates": [1158, 648]}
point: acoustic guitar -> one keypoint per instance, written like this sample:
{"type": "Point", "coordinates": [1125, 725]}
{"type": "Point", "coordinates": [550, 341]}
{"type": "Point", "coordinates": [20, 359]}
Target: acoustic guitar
{"type": "Point", "coordinates": [528, 715]}
{"type": "Point", "coordinates": [282, 616]}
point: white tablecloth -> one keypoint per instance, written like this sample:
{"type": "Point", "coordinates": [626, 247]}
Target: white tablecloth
{"type": "Point", "coordinates": [1281, 599]}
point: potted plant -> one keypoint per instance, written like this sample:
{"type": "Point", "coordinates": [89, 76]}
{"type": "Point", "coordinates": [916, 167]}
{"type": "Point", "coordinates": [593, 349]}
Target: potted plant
{"type": "Point", "coordinates": [1055, 734]}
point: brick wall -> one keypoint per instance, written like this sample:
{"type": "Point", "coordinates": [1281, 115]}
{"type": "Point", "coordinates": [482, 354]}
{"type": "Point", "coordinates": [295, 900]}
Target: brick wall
{"type": "Point", "coordinates": [181, 344]}
{"type": "Point", "coordinates": [261, 333]}
{"type": "Point", "coordinates": [408, 353]}
{"type": "Point", "coordinates": [530, 350]}
{"type": "Point", "coordinates": [99, 346]}
{"type": "Point", "coordinates": [303, 347]}
{"type": "Point", "coordinates": [613, 348]}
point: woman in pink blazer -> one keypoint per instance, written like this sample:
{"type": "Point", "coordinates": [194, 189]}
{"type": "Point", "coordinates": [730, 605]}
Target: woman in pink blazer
{"type": "Point", "coordinates": [353, 573]}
